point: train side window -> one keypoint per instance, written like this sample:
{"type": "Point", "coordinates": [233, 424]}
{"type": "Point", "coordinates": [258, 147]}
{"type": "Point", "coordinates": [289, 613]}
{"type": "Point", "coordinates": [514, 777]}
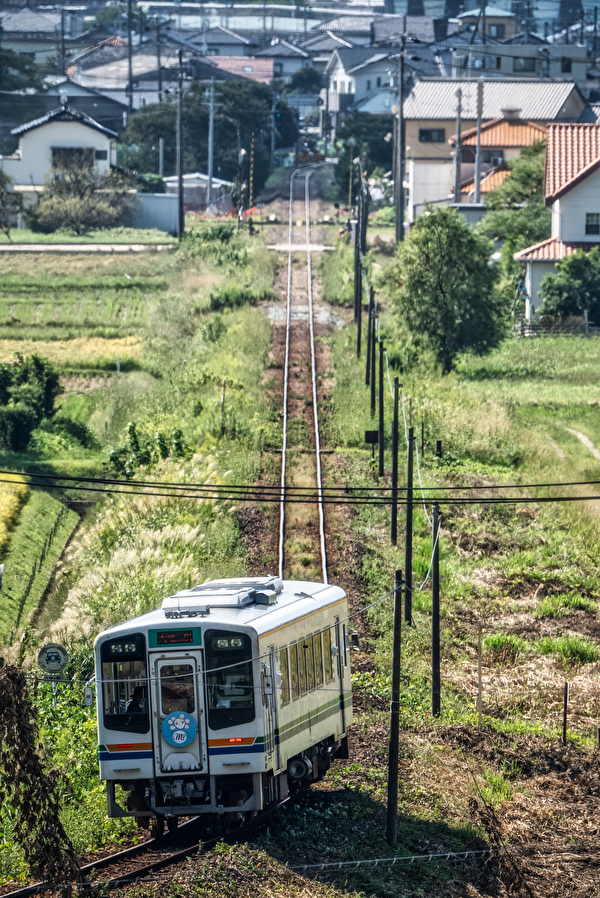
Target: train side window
{"type": "Point", "coordinates": [345, 646]}
{"type": "Point", "coordinates": [319, 659]}
{"type": "Point", "coordinates": [284, 664]}
{"type": "Point", "coordinates": [328, 657]}
{"type": "Point", "coordinates": [302, 647]}
{"type": "Point", "coordinates": [125, 684]}
{"type": "Point", "coordinates": [295, 674]}
{"type": "Point", "coordinates": [310, 663]}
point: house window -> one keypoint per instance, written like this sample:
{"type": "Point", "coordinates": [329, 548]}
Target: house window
{"type": "Point", "coordinates": [592, 223]}
{"type": "Point", "coordinates": [524, 64]}
{"type": "Point", "coordinates": [566, 65]}
{"type": "Point", "coordinates": [278, 68]}
{"type": "Point", "coordinates": [212, 51]}
{"type": "Point", "coordinates": [378, 81]}
{"type": "Point", "coordinates": [432, 135]}
{"type": "Point", "coordinates": [368, 84]}
{"type": "Point", "coordinates": [335, 85]}
{"type": "Point", "coordinates": [496, 31]}
{"type": "Point", "coordinates": [72, 157]}
{"type": "Point", "coordinates": [342, 87]}
{"type": "Point", "coordinates": [101, 155]}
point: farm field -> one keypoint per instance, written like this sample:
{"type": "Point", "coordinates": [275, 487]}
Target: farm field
{"type": "Point", "coordinates": [107, 235]}
{"type": "Point", "coordinates": [528, 572]}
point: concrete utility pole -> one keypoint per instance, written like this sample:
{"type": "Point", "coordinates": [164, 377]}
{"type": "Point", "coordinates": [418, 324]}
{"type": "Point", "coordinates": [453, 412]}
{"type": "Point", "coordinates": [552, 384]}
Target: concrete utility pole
{"type": "Point", "coordinates": [483, 29]}
{"type": "Point", "coordinates": [326, 119]}
{"type": "Point", "coordinates": [458, 160]}
{"type": "Point", "coordinates": [129, 60]}
{"type": "Point", "coordinates": [211, 136]}
{"type": "Point", "coordinates": [273, 110]}
{"type": "Point", "coordinates": [400, 144]}
{"type": "Point", "coordinates": [159, 61]}
{"type": "Point", "coordinates": [161, 156]}
{"type": "Point", "coordinates": [63, 60]}
{"type": "Point", "coordinates": [478, 151]}
{"type": "Point", "coordinates": [180, 209]}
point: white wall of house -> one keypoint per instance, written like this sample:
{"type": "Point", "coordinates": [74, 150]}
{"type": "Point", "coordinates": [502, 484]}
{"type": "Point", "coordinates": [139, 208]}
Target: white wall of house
{"type": "Point", "coordinates": [362, 82]}
{"type": "Point", "coordinates": [535, 272]}
{"type": "Point", "coordinates": [571, 212]}
{"type": "Point", "coordinates": [563, 62]}
{"type": "Point", "coordinates": [33, 159]}
{"type": "Point", "coordinates": [427, 180]}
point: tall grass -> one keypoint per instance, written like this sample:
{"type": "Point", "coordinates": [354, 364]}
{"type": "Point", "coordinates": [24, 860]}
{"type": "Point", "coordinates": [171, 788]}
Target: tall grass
{"type": "Point", "coordinates": [12, 498]}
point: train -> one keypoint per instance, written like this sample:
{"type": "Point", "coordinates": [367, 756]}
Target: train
{"type": "Point", "coordinates": [223, 702]}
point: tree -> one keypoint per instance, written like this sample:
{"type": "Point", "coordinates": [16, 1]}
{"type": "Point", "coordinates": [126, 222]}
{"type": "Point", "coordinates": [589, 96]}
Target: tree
{"type": "Point", "coordinates": [372, 139]}
{"type": "Point", "coordinates": [10, 204]}
{"type": "Point", "coordinates": [78, 198]}
{"type": "Point", "coordinates": [17, 72]}
{"type": "Point", "coordinates": [305, 81]}
{"type": "Point", "coordinates": [243, 108]}
{"type": "Point", "coordinates": [574, 289]}
{"type": "Point", "coordinates": [28, 389]}
{"type": "Point", "coordinates": [442, 284]}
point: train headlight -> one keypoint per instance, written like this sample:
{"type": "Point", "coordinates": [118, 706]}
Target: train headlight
{"type": "Point", "coordinates": [116, 647]}
{"type": "Point", "coordinates": [130, 646]}
{"type": "Point", "coordinates": [222, 643]}
{"type": "Point", "coordinates": [236, 643]}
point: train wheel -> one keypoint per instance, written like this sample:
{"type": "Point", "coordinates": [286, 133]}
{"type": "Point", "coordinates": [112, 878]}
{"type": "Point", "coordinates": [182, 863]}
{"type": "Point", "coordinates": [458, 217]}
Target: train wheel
{"type": "Point", "coordinates": [172, 824]}
{"type": "Point", "coordinates": [158, 827]}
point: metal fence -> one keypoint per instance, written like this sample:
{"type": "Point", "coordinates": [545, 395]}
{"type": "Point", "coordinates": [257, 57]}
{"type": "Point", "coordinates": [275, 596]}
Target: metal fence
{"type": "Point", "coordinates": [528, 329]}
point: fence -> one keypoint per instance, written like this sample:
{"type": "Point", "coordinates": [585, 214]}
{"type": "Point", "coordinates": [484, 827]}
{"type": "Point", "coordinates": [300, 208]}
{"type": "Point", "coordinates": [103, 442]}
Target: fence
{"type": "Point", "coordinates": [534, 329]}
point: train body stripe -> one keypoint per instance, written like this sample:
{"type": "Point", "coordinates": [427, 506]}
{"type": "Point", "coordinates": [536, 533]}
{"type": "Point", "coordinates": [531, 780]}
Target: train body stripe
{"type": "Point", "coordinates": [124, 755]}
{"type": "Point", "coordinates": [119, 747]}
{"type": "Point", "coordinates": [243, 740]}
{"type": "Point", "coordinates": [237, 750]}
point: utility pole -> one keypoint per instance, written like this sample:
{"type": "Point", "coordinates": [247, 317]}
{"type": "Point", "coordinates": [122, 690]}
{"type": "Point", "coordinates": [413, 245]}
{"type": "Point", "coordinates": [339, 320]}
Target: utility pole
{"type": "Point", "coordinates": [394, 523]}
{"type": "Point", "coordinates": [392, 796]}
{"type": "Point", "coordinates": [180, 209]}
{"type": "Point", "coordinates": [478, 150]}
{"type": "Point", "coordinates": [161, 156]}
{"type": "Point", "coordinates": [369, 337]}
{"type": "Point", "coordinates": [435, 615]}
{"type": "Point", "coordinates": [595, 33]}
{"type": "Point", "coordinates": [483, 29]}
{"type": "Point", "coordinates": [159, 61]}
{"type": "Point", "coordinates": [400, 145]}
{"type": "Point", "coordinates": [373, 353]}
{"type": "Point", "coordinates": [381, 421]}
{"type": "Point", "coordinates": [129, 60]}
{"type": "Point", "coordinates": [251, 175]}
{"type": "Point", "coordinates": [63, 61]}
{"type": "Point", "coordinates": [273, 110]}
{"type": "Point", "coordinates": [458, 160]}
{"type": "Point", "coordinates": [408, 546]}
{"type": "Point", "coordinates": [211, 136]}
{"type": "Point", "coordinates": [326, 119]}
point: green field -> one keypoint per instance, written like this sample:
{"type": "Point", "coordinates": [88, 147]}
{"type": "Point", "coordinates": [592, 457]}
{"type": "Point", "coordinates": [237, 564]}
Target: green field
{"type": "Point", "coordinates": [107, 235]}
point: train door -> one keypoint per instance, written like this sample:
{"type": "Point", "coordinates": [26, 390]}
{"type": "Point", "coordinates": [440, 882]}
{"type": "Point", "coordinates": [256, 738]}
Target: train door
{"type": "Point", "coordinates": [341, 654]}
{"type": "Point", "coordinates": [271, 711]}
{"type": "Point", "coordinates": [179, 720]}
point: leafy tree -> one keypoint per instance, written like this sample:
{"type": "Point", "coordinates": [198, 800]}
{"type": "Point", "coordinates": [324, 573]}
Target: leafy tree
{"type": "Point", "coordinates": [305, 81]}
{"type": "Point", "coordinates": [78, 198]}
{"type": "Point", "coordinates": [28, 390]}
{"type": "Point", "coordinates": [369, 134]}
{"type": "Point", "coordinates": [244, 108]}
{"type": "Point", "coordinates": [575, 288]}
{"type": "Point", "coordinates": [10, 204]}
{"type": "Point", "coordinates": [113, 14]}
{"type": "Point", "coordinates": [442, 284]}
{"type": "Point", "coordinates": [17, 72]}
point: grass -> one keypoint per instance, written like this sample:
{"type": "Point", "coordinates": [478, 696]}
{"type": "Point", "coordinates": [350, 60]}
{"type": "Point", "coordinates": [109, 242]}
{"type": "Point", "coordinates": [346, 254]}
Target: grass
{"type": "Point", "coordinates": [562, 604]}
{"type": "Point", "coordinates": [106, 235]}
{"type": "Point", "coordinates": [12, 498]}
{"type": "Point", "coordinates": [574, 650]}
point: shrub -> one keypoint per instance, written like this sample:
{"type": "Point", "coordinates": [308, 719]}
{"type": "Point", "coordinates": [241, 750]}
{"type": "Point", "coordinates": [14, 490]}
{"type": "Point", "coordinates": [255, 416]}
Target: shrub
{"type": "Point", "coordinates": [574, 650]}
{"type": "Point", "coordinates": [503, 647]}
{"type": "Point", "coordinates": [17, 423]}
{"type": "Point", "coordinates": [559, 605]}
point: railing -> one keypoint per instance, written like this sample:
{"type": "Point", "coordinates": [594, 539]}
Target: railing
{"type": "Point", "coordinates": [535, 329]}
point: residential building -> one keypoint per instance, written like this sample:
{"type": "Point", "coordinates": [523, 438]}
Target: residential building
{"type": "Point", "coordinates": [220, 41]}
{"type": "Point", "coordinates": [246, 67]}
{"type": "Point", "coordinates": [287, 57]}
{"type": "Point", "coordinates": [320, 48]}
{"type": "Point", "coordinates": [499, 23]}
{"type": "Point", "coordinates": [354, 73]}
{"type": "Point", "coordinates": [385, 30]}
{"type": "Point", "coordinates": [38, 34]}
{"type": "Point", "coordinates": [430, 114]}
{"type": "Point", "coordinates": [567, 62]}
{"type": "Point", "coordinates": [572, 191]}
{"type": "Point", "coordinates": [62, 133]}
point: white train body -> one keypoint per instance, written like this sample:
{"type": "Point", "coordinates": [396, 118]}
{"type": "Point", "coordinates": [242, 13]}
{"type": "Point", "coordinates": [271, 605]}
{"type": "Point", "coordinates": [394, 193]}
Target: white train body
{"type": "Point", "coordinates": [227, 698]}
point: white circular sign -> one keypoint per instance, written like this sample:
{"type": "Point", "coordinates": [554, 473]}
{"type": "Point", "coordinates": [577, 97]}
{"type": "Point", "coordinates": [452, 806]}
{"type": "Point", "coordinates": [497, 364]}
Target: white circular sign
{"type": "Point", "coordinates": [53, 658]}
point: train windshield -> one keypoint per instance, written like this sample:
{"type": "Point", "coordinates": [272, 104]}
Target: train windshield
{"type": "Point", "coordinates": [125, 684]}
{"type": "Point", "coordinates": [229, 679]}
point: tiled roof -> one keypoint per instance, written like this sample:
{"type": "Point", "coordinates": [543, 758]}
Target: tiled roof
{"type": "Point", "coordinates": [420, 28]}
{"type": "Point", "coordinates": [30, 20]}
{"type": "Point", "coordinates": [353, 58]}
{"type": "Point", "coordinates": [551, 250]}
{"type": "Point", "coordinates": [591, 113]}
{"type": "Point", "coordinates": [490, 180]}
{"type": "Point", "coordinates": [221, 35]}
{"type": "Point", "coordinates": [503, 132]}
{"type": "Point", "coordinates": [491, 12]}
{"type": "Point", "coordinates": [465, 36]}
{"type": "Point", "coordinates": [282, 48]}
{"type": "Point", "coordinates": [349, 24]}
{"type": "Point", "coordinates": [324, 43]}
{"type": "Point", "coordinates": [573, 152]}
{"type": "Point", "coordinates": [246, 67]}
{"type": "Point", "coordinates": [112, 48]}
{"type": "Point", "coordinates": [434, 98]}
{"type": "Point", "coordinates": [523, 38]}
{"type": "Point", "coordinates": [62, 114]}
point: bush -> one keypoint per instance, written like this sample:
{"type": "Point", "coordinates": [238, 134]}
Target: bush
{"type": "Point", "coordinates": [574, 650]}
{"type": "Point", "coordinates": [28, 389]}
{"type": "Point", "coordinates": [503, 647]}
{"type": "Point", "coordinates": [17, 423]}
{"type": "Point", "coordinates": [151, 183]}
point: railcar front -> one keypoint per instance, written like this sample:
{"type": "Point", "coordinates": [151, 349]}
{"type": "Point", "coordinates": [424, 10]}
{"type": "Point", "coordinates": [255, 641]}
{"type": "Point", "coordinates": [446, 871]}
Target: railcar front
{"type": "Point", "coordinates": [189, 700]}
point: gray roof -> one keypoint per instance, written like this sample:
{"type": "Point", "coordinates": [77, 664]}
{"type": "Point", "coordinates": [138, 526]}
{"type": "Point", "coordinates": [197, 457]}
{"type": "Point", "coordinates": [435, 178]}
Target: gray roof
{"type": "Point", "coordinates": [525, 38]}
{"type": "Point", "coordinates": [420, 28]}
{"type": "Point", "coordinates": [434, 98]}
{"type": "Point", "coordinates": [591, 113]}
{"type": "Point", "coordinates": [282, 48]}
{"type": "Point", "coordinates": [216, 35]}
{"type": "Point", "coordinates": [353, 58]}
{"type": "Point", "coordinates": [324, 43]}
{"type": "Point", "coordinates": [30, 20]}
{"type": "Point", "coordinates": [62, 114]}
{"type": "Point", "coordinates": [349, 24]}
{"type": "Point", "coordinates": [465, 36]}
{"type": "Point", "coordinates": [493, 12]}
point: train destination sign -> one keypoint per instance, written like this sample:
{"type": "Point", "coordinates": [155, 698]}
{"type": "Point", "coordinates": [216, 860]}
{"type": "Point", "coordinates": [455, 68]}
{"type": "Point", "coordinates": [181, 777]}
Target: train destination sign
{"type": "Point", "coordinates": [183, 636]}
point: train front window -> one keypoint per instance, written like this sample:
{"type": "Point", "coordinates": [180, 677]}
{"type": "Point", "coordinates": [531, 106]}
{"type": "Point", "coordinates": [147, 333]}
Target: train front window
{"type": "Point", "coordinates": [125, 684]}
{"type": "Point", "coordinates": [229, 679]}
{"type": "Point", "coordinates": [177, 688]}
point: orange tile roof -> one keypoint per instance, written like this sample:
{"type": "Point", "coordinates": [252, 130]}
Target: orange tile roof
{"type": "Point", "coordinates": [503, 132]}
{"type": "Point", "coordinates": [246, 67]}
{"type": "Point", "coordinates": [573, 153]}
{"type": "Point", "coordinates": [552, 250]}
{"type": "Point", "coordinates": [492, 179]}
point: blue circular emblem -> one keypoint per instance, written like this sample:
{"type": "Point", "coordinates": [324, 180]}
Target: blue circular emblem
{"type": "Point", "coordinates": [179, 728]}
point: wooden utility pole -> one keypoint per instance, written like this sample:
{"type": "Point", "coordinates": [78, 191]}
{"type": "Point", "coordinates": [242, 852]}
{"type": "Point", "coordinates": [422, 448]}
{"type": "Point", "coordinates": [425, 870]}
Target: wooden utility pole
{"type": "Point", "coordinates": [211, 136]}
{"type": "Point", "coordinates": [392, 796]}
{"type": "Point", "coordinates": [458, 159]}
{"type": "Point", "coordinates": [129, 59]}
{"type": "Point", "coordinates": [400, 144]}
{"type": "Point", "coordinates": [478, 150]}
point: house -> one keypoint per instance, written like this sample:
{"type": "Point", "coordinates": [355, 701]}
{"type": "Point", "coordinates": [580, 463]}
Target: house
{"type": "Point", "coordinates": [572, 191]}
{"type": "Point", "coordinates": [287, 58]}
{"type": "Point", "coordinates": [220, 41]}
{"type": "Point", "coordinates": [501, 140]}
{"type": "Point", "coordinates": [384, 30]}
{"type": "Point", "coordinates": [62, 133]}
{"type": "Point", "coordinates": [353, 73]}
{"type": "Point", "coordinates": [567, 62]}
{"type": "Point", "coordinates": [39, 34]}
{"type": "Point", "coordinates": [430, 114]}
{"type": "Point", "coordinates": [499, 23]}
{"type": "Point", "coordinates": [320, 48]}
{"type": "Point", "coordinates": [260, 70]}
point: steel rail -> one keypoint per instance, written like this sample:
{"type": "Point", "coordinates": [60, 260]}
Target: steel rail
{"type": "Point", "coordinates": [313, 360]}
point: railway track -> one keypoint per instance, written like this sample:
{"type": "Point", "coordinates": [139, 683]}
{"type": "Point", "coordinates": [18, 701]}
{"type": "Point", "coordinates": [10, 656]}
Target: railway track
{"type": "Point", "coordinates": [300, 331]}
